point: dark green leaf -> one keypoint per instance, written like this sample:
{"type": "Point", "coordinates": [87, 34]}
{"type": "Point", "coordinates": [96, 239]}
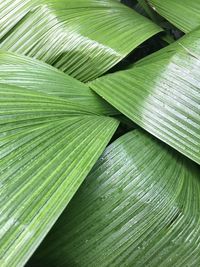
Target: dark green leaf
{"type": "Point", "coordinates": [140, 206]}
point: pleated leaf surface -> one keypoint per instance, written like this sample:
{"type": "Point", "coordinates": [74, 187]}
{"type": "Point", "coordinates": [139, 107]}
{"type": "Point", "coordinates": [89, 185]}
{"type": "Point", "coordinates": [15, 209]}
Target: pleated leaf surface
{"type": "Point", "coordinates": [83, 38]}
{"type": "Point", "coordinates": [37, 76]}
{"type": "Point", "coordinates": [140, 206]}
{"type": "Point", "coordinates": [49, 142]}
{"type": "Point", "coordinates": [184, 14]}
{"type": "Point", "coordinates": [161, 93]}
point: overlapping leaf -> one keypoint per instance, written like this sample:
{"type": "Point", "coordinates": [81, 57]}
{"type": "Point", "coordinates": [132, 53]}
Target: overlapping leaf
{"type": "Point", "coordinates": [184, 14]}
{"type": "Point", "coordinates": [83, 38]}
{"type": "Point", "coordinates": [140, 206]}
{"type": "Point", "coordinates": [38, 76]}
{"type": "Point", "coordinates": [162, 94]}
{"type": "Point", "coordinates": [50, 137]}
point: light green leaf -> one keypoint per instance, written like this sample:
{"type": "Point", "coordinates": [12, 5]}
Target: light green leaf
{"type": "Point", "coordinates": [184, 14]}
{"type": "Point", "coordinates": [162, 94]}
{"type": "Point", "coordinates": [37, 76]}
{"type": "Point", "coordinates": [139, 207]}
{"type": "Point", "coordinates": [83, 38]}
{"type": "Point", "coordinates": [49, 141]}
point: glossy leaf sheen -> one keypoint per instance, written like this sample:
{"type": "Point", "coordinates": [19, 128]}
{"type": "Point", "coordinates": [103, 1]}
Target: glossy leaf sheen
{"type": "Point", "coordinates": [83, 38]}
{"type": "Point", "coordinates": [37, 76]}
{"type": "Point", "coordinates": [184, 14]}
{"type": "Point", "coordinates": [139, 207]}
{"type": "Point", "coordinates": [49, 141]}
{"type": "Point", "coordinates": [162, 94]}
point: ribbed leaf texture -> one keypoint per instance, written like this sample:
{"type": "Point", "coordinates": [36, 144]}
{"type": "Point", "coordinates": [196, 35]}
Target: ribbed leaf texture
{"type": "Point", "coordinates": [83, 38]}
{"type": "Point", "coordinates": [37, 76]}
{"type": "Point", "coordinates": [162, 94]}
{"type": "Point", "coordinates": [184, 14]}
{"type": "Point", "coordinates": [139, 207]}
{"type": "Point", "coordinates": [49, 141]}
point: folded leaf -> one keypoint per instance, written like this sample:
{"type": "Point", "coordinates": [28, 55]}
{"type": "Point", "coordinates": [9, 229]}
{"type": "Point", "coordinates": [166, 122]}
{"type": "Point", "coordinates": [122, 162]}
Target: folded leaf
{"type": "Point", "coordinates": [184, 14]}
{"type": "Point", "coordinates": [139, 206]}
{"type": "Point", "coordinates": [162, 94]}
{"type": "Point", "coordinates": [83, 38]}
{"type": "Point", "coordinates": [49, 141]}
{"type": "Point", "coordinates": [37, 76]}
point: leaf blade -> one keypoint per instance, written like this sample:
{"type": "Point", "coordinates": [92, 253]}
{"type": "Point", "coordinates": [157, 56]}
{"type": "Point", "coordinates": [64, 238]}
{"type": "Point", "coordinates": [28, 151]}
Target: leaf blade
{"type": "Point", "coordinates": [136, 208]}
{"type": "Point", "coordinates": [84, 43]}
{"type": "Point", "coordinates": [36, 76]}
{"type": "Point", "coordinates": [161, 94]}
{"type": "Point", "coordinates": [184, 16]}
{"type": "Point", "coordinates": [48, 144]}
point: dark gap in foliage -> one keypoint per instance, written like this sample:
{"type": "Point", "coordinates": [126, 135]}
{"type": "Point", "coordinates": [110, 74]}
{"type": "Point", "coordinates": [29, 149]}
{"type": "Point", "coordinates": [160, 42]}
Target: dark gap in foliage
{"type": "Point", "coordinates": [148, 47]}
{"type": "Point", "coordinates": [174, 32]}
{"type": "Point", "coordinates": [129, 3]}
{"type": "Point", "coordinates": [125, 126]}
{"type": "Point", "coordinates": [121, 130]}
{"type": "Point", "coordinates": [155, 43]}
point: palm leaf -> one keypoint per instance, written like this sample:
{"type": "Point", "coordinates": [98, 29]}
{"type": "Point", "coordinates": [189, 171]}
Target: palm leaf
{"type": "Point", "coordinates": [139, 206]}
{"type": "Point", "coordinates": [162, 94]}
{"type": "Point", "coordinates": [83, 38]}
{"type": "Point", "coordinates": [146, 8]}
{"type": "Point", "coordinates": [37, 76]}
{"type": "Point", "coordinates": [49, 141]}
{"type": "Point", "coordinates": [184, 14]}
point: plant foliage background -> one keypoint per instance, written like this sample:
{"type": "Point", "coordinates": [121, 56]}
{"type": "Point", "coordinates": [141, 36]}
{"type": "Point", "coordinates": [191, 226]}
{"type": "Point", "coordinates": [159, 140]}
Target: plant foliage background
{"type": "Point", "coordinates": [99, 133]}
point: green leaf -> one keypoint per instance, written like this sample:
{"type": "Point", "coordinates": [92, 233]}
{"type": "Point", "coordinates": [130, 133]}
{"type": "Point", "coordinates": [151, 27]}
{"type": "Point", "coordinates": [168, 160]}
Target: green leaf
{"type": "Point", "coordinates": [139, 207]}
{"type": "Point", "coordinates": [37, 76]}
{"type": "Point", "coordinates": [183, 14]}
{"type": "Point", "coordinates": [49, 141]}
{"type": "Point", "coordinates": [145, 6]}
{"type": "Point", "coordinates": [162, 94]}
{"type": "Point", "coordinates": [83, 38]}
